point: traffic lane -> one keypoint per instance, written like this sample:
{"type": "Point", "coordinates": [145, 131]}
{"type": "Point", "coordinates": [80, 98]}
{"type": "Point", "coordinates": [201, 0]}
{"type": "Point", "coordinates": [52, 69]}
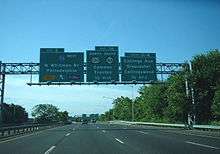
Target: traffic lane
{"type": "Point", "coordinates": [131, 137]}
{"type": "Point", "coordinates": [37, 142]}
{"type": "Point", "coordinates": [177, 133]}
{"type": "Point", "coordinates": [105, 129]}
{"type": "Point", "coordinates": [184, 135]}
{"type": "Point", "coordinates": [90, 139]}
{"type": "Point", "coordinates": [32, 143]}
{"type": "Point", "coordinates": [206, 140]}
{"type": "Point", "coordinates": [214, 134]}
{"type": "Point", "coordinates": [151, 142]}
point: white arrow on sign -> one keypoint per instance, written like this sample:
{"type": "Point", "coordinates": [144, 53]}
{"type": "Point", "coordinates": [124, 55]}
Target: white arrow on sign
{"type": "Point", "coordinates": [95, 60]}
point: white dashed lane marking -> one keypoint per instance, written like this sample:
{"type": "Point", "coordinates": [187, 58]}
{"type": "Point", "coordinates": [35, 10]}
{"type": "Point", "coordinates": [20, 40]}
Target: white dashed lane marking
{"type": "Point", "coordinates": [119, 141]}
{"type": "Point", "coordinates": [143, 132]}
{"type": "Point", "coordinates": [50, 150]}
{"type": "Point", "coordinates": [202, 145]}
{"type": "Point", "coordinates": [67, 134]}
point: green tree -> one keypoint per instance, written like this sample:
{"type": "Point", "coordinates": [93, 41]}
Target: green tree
{"type": "Point", "coordinates": [45, 113]}
{"type": "Point", "coordinates": [122, 108]}
{"type": "Point", "coordinates": [216, 105]}
{"type": "Point", "coordinates": [139, 109]}
{"type": "Point", "coordinates": [178, 104]}
{"type": "Point", "coordinates": [205, 76]}
{"type": "Point", "coordinates": [19, 114]}
{"type": "Point", "coordinates": [108, 115]}
{"type": "Point", "coordinates": [13, 114]}
{"type": "Point", "coordinates": [168, 102]}
{"type": "Point", "coordinates": [153, 102]}
{"type": "Point", "coordinates": [63, 116]}
{"type": "Point", "coordinates": [102, 117]}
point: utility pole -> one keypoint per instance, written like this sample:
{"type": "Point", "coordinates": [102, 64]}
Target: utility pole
{"type": "Point", "coordinates": [132, 104]}
{"type": "Point", "coordinates": [2, 88]}
{"type": "Point", "coordinates": [192, 96]}
{"type": "Point", "coordinates": [191, 115]}
{"type": "Point", "coordinates": [1, 80]}
{"type": "Point", "coordinates": [189, 119]}
{"type": "Point", "coordinates": [14, 110]}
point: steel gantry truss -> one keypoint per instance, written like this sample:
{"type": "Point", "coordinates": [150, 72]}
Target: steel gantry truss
{"type": "Point", "coordinates": [33, 68]}
{"type": "Point", "coordinates": [20, 68]}
{"type": "Point", "coordinates": [2, 88]}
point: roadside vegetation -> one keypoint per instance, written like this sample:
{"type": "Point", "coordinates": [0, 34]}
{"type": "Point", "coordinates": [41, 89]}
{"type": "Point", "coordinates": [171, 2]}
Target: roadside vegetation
{"type": "Point", "coordinates": [168, 102]}
{"type": "Point", "coordinates": [13, 114]}
{"type": "Point", "coordinates": [48, 113]}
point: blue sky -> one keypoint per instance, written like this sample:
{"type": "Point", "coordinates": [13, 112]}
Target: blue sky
{"type": "Point", "coordinates": [175, 30]}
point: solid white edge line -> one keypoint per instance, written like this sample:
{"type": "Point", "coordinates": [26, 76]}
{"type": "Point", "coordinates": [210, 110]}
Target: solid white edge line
{"type": "Point", "coordinates": [67, 134]}
{"type": "Point", "coordinates": [49, 150]}
{"type": "Point", "coordinates": [119, 141]}
{"type": "Point", "coordinates": [202, 145]}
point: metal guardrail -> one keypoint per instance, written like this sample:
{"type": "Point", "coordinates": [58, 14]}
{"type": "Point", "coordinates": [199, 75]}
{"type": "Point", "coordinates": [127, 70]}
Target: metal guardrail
{"type": "Point", "coordinates": [16, 124]}
{"type": "Point", "coordinates": [15, 130]}
{"type": "Point", "coordinates": [201, 127]}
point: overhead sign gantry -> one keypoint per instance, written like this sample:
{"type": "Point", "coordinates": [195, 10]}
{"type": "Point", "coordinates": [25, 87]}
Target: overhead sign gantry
{"type": "Point", "coordinates": [102, 66]}
{"type": "Point", "coordinates": [72, 69]}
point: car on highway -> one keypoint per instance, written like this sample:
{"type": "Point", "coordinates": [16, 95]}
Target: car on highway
{"type": "Point", "coordinates": [68, 122]}
{"type": "Point", "coordinates": [93, 120]}
{"type": "Point", "coordinates": [84, 121]}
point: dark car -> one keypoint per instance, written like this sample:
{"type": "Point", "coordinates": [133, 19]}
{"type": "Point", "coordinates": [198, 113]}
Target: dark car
{"type": "Point", "coordinates": [85, 122]}
{"type": "Point", "coordinates": [93, 120]}
{"type": "Point", "coordinates": [68, 122]}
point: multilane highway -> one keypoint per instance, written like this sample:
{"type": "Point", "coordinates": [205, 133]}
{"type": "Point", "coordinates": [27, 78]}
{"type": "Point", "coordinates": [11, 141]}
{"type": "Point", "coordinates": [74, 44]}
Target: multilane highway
{"type": "Point", "coordinates": [105, 138]}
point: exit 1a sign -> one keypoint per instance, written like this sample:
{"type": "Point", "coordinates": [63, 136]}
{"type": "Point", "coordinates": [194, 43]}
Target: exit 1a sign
{"type": "Point", "coordinates": [61, 66]}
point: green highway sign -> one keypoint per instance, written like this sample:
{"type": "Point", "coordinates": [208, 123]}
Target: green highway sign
{"type": "Point", "coordinates": [140, 67]}
{"type": "Point", "coordinates": [102, 64]}
{"type": "Point", "coordinates": [61, 66]}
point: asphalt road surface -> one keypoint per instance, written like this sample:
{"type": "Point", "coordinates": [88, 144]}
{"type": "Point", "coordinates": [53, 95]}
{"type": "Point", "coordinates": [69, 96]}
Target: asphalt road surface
{"type": "Point", "coordinates": [104, 138]}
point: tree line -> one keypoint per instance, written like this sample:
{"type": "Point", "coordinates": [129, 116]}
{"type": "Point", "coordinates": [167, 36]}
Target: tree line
{"type": "Point", "coordinates": [13, 114]}
{"type": "Point", "coordinates": [169, 102]}
{"type": "Point", "coordinates": [43, 113]}
{"type": "Point", "coordinates": [48, 113]}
